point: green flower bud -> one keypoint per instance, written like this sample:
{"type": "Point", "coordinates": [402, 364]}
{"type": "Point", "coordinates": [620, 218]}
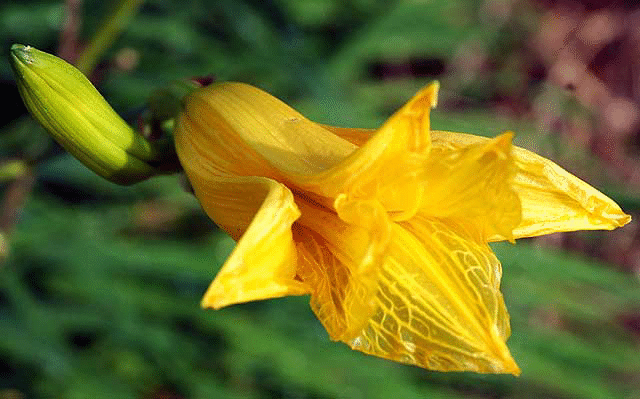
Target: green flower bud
{"type": "Point", "coordinates": [70, 108]}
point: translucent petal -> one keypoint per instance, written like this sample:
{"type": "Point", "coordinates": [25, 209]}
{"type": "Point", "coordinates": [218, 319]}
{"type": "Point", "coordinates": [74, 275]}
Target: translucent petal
{"type": "Point", "coordinates": [438, 302]}
{"type": "Point", "coordinates": [474, 183]}
{"type": "Point", "coordinates": [430, 295]}
{"type": "Point", "coordinates": [552, 199]}
{"type": "Point", "coordinates": [263, 262]}
{"type": "Point", "coordinates": [340, 262]}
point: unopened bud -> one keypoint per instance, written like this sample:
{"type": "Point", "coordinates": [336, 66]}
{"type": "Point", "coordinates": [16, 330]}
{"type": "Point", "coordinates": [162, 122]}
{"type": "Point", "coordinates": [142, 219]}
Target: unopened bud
{"type": "Point", "coordinates": [70, 108]}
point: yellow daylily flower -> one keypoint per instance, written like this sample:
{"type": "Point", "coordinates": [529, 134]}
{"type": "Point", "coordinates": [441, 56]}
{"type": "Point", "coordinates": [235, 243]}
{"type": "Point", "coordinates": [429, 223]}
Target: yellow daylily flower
{"type": "Point", "coordinates": [387, 230]}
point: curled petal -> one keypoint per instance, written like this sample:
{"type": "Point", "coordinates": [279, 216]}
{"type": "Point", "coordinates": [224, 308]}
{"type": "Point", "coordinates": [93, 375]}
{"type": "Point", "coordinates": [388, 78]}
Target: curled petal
{"type": "Point", "coordinates": [386, 167]}
{"type": "Point", "coordinates": [552, 199]}
{"type": "Point", "coordinates": [263, 262]}
{"type": "Point", "coordinates": [223, 162]}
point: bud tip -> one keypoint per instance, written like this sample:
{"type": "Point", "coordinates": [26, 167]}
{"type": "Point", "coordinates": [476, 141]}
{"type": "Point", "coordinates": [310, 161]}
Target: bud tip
{"type": "Point", "coordinates": [21, 53]}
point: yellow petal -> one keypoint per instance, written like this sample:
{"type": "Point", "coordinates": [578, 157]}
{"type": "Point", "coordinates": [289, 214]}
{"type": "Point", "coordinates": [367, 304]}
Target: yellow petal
{"type": "Point", "coordinates": [355, 136]}
{"type": "Point", "coordinates": [474, 183]}
{"type": "Point", "coordinates": [431, 299]}
{"type": "Point", "coordinates": [339, 261]}
{"type": "Point", "coordinates": [255, 211]}
{"type": "Point", "coordinates": [263, 262]}
{"type": "Point", "coordinates": [439, 303]}
{"type": "Point", "coordinates": [237, 129]}
{"type": "Point", "coordinates": [552, 199]}
{"type": "Point", "coordinates": [244, 131]}
{"type": "Point", "coordinates": [385, 167]}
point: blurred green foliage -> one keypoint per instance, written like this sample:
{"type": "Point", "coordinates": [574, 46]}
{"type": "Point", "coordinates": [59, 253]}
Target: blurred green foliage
{"type": "Point", "coordinates": [100, 287]}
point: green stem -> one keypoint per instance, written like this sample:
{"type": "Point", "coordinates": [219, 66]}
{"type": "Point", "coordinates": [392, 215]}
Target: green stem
{"type": "Point", "coordinates": [106, 34]}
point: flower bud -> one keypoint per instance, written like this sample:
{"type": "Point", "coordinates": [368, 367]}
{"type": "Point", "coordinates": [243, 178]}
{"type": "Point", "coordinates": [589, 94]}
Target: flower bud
{"type": "Point", "coordinates": [70, 108]}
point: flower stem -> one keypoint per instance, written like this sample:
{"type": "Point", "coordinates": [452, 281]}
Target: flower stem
{"type": "Point", "coordinates": [106, 34]}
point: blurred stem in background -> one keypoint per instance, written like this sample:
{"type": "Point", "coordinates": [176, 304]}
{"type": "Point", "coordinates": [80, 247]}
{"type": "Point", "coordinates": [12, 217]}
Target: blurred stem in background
{"type": "Point", "coordinates": [21, 178]}
{"type": "Point", "coordinates": [110, 29]}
